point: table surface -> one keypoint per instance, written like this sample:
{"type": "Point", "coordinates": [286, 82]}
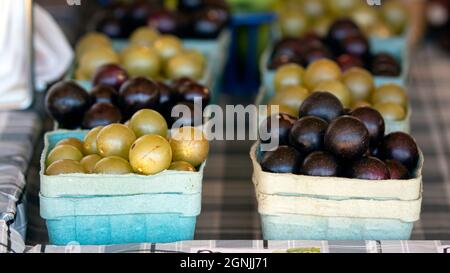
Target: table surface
{"type": "Point", "coordinates": [229, 209]}
{"type": "Point", "coordinates": [257, 246]}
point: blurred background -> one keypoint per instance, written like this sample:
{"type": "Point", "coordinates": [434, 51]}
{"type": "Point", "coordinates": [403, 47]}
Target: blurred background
{"type": "Point", "coordinates": [252, 24]}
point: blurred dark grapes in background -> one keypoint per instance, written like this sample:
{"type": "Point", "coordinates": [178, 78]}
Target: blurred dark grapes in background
{"type": "Point", "coordinates": [438, 18]}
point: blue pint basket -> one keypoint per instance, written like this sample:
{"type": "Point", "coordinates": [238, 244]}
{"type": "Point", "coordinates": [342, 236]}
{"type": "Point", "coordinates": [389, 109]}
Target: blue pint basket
{"type": "Point", "coordinates": [96, 209]}
{"type": "Point", "coordinates": [153, 218]}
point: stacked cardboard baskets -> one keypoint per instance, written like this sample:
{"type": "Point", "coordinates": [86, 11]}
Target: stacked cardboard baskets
{"type": "Point", "coordinates": [298, 207]}
{"type": "Point", "coordinates": [93, 209]}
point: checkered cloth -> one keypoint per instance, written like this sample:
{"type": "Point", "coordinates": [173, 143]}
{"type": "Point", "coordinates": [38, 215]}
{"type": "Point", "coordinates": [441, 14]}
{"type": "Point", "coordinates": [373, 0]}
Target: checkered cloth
{"type": "Point", "coordinates": [258, 247]}
{"type": "Point", "coordinates": [229, 209]}
{"type": "Point", "coordinates": [18, 133]}
{"type": "Point", "coordinates": [430, 100]}
{"type": "Point", "coordinates": [12, 182]}
{"type": "Point", "coordinates": [3, 237]}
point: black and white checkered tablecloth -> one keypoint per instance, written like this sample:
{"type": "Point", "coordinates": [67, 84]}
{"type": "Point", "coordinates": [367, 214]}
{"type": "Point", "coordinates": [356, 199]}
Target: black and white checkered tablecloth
{"type": "Point", "coordinates": [229, 210]}
{"type": "Point", "coordinates": [256, 246]}
{"type": "Point", "coordinates": [18, 134]}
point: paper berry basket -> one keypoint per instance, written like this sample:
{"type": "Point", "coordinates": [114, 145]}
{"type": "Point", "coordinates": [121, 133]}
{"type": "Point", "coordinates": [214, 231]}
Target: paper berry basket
{"type": "Point", "coordinates": [298, 207]}
{"type": "Point", "coordinates": [95, 209]}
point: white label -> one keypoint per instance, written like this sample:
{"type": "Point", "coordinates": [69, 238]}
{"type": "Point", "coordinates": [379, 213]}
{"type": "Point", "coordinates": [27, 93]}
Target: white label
{"type": "Point", "coordinates": [74, 2]}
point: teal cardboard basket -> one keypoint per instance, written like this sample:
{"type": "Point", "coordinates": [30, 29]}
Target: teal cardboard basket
{"type": "Point", "coordinates": [95, 209]}
{"type": "Point", "coordinates": [152, 218]}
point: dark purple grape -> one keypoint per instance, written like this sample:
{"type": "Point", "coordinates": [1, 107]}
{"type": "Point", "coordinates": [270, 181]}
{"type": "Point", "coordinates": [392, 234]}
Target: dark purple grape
{"type": "Point", "coordinates": [323, 105]}
{"type": "Point", "coordinates": [341, 29]}
{"type": "Point", "coordinates": [307, 134]}
{"type": "Point", "coordinates": [369, 168]}
{"type": "Point", "coordinates": [192, 91]}
{"type": "Point", "coordinates": [356, 45]}
{"type": "Point", "coordinates": [102, 93]}
{"type": "Point", "coordinates": [101, 114]}
{"type": "Point", "coordinates": [401, 147]}
{"type": "Point", "coordinates": [112, 27]}
{"type": "Point", "coordinates": [278, 133]}
{"type": "Point", "coordinates": [320, 164]}
{"type": "Point", "coordinates": [284, 159]}
{"type": "Point", "coordinates": [347, 61]}
{"type": "Point", "coordinates": [110, 75]}
{"type": "Point", "coordinates": [347, 138]}
{"type": "Point", "coordinates": [66, 102]}
{"type": "Point", "coordinates": [385, 65]}
{"type": "Point", "coordinates": [373, 121]}
{"type": "Point", "coordinates": [138, 93]}
{"type": "Point", "coordinates": [397, 170]}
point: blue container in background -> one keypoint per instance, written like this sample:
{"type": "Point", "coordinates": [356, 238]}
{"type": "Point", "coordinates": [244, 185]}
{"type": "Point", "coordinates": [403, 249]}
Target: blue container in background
{"type": "Point", "coordinates": [241, 73]}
